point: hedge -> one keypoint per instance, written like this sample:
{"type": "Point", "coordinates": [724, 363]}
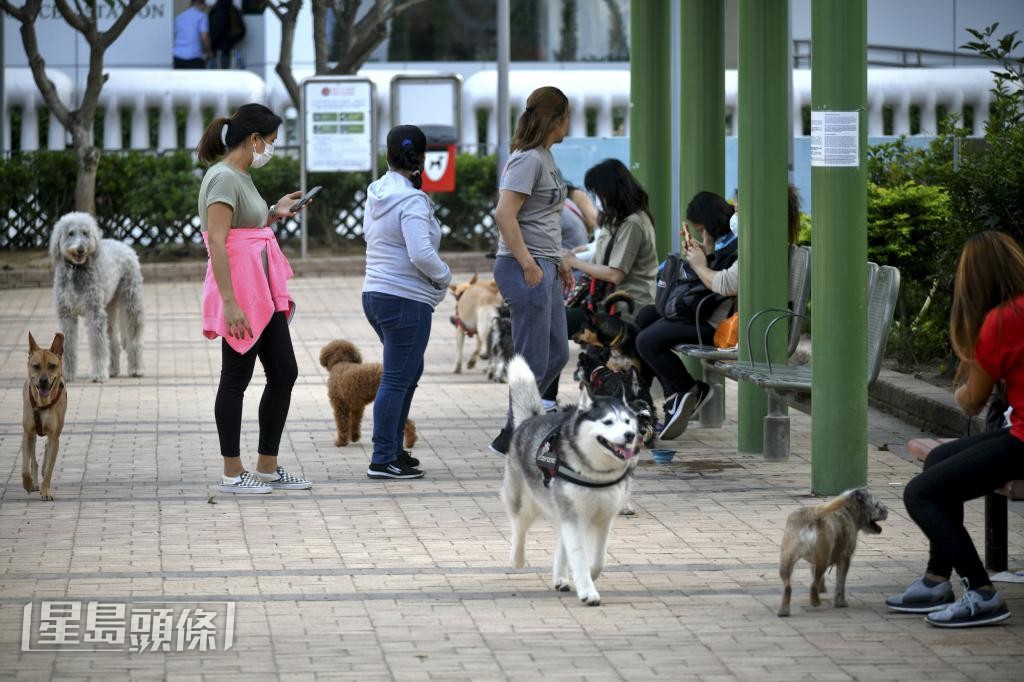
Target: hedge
{"type": "Point", "coordinates": [149, 200]}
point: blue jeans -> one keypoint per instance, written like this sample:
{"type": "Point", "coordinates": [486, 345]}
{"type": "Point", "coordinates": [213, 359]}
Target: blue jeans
{"type": "Point", "coordinates": [403, 325]}
{"type": "Point", "coordinates": [538, 319]}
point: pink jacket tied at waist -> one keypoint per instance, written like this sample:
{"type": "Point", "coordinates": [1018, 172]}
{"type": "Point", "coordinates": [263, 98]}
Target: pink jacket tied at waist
{"type": "Point", "coordinates": [259, 293]}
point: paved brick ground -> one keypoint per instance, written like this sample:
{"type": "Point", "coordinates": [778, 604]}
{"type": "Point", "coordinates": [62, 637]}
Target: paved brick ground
{"type": "Point", "coordinates": [365, 580]}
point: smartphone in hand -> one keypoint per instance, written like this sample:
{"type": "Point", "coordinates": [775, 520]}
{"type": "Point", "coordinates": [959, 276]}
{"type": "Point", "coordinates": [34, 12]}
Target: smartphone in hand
{"type": "Point", "coordinates": [304, 199]}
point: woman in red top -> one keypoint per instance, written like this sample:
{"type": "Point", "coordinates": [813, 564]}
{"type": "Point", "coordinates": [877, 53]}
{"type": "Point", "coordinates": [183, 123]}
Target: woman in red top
{"type": "Point", "coordinates": [987, 333]}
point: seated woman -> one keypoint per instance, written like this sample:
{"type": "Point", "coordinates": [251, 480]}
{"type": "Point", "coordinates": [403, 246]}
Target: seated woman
{"type": "Point", "coordinates": [712, 261]}
{"type": "Point", "coordinates": [625, 255]}
{"type": "Point", "coordinates": [720, 278]}
{"type": "Point", "coordinates": [986, 329]}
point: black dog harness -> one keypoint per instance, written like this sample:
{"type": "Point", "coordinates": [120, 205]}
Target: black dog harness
{"type": "Point", "coordinates": [549, 461]}
{"type": "Point", "coordinates": [37, 410]}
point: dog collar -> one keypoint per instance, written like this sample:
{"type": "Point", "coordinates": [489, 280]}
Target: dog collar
{"type": "Point", "coordinates": [618, 337]}
{"type": "Point", "coordinates": [457, 321]}
{"type": "Point", "coordinates": [38, 409]}
{"type": "Point", "coordinates": [549, 461]}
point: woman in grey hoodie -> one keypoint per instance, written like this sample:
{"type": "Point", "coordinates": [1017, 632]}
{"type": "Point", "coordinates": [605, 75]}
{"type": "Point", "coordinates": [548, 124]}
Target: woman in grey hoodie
{"type": "Point", "coordinates": [405, 280]}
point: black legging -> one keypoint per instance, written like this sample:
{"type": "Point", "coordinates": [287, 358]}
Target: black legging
{"type": "Point", "coordinates": [274, 349]}
{"type": "Point", "coordinates": [953, 473]}
{"type": "Point", "coordinates": [658, 337]}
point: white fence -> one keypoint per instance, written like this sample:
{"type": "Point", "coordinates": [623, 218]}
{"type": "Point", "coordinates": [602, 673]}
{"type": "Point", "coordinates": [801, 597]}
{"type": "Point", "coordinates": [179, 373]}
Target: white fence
{"type": "Point", "coordinates": [603, 94]}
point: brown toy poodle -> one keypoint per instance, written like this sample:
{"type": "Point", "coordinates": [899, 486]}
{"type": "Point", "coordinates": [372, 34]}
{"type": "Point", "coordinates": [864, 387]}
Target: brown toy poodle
{"type": "Point", "coordinates": [351, 386]}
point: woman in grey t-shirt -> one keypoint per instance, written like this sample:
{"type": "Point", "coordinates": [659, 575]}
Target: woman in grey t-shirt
{"type": "Point", "coordinates": [527, 267]}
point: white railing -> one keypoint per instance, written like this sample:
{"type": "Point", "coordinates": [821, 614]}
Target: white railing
{"type": "Point", "coordinates": [602, 93]}
{"type": "Point", "coordinates": [140, 90]}
{"type": "Point", "coordinates": [20, 92]}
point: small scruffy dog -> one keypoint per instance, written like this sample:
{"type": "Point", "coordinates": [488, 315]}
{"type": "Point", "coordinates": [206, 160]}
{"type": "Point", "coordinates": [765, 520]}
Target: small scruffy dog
{"type": "Point", "coordinates": [351, 386]}
{"type": "Point", "coordinates": [826, 536]}
{"type": "Point", "coordinates": [100, 280]}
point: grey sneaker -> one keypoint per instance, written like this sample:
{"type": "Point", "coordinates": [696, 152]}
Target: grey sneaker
{"type": "Point", "coordinates": [973, 608]}
{"type": "Point", "coordinates": [246, 484]}
{"type": "Point", "coordinates": [282, 480]}
{"type": "Point", "coordinates": [919, 598]}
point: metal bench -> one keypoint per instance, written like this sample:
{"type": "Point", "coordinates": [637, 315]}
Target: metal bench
{"type": "Point", "coordinates": [791, 385]}
{"type": "Point", "coordinates": [996, 551]}
{"type": "Point", "coordinates": [713, 413]}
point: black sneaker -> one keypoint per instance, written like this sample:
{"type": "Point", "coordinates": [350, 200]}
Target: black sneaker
{"type": "Point", "coordinates": [396, 469]}
{"type": "Point", "coordinates": [500, 445]}
{"type": "Point", "coordinates": [676, 420]}
{"type": "Point", "coordinates": [407, 459]}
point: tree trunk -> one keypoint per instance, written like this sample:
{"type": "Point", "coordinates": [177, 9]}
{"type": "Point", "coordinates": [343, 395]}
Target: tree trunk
{"type": "Point", "coordinates": [88, 162]}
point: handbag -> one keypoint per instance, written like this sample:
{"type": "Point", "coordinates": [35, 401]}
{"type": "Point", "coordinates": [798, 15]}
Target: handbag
{"type": "Point", "coordinates": [590, 291]}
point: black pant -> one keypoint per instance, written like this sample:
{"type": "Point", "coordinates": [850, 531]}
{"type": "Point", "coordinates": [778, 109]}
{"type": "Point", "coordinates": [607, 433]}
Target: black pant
{"type": "Point", "coordinates": [573, 323]}
{"type": "Point", "coordinates": [953, 473]}
{"type": "Point", "coordinates": [656, 340]}
{"type": "Point", "coordinates": [274, 349]}
{"type": "Point", "coordinates": [197, 63]}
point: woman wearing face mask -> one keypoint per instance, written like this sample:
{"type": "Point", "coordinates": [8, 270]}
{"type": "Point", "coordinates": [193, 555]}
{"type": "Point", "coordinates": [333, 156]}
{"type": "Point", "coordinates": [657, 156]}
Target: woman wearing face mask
{"type": "Point", "coordinates": [245, 299]}
{"type": "Point", "coordinates": [625, 255]}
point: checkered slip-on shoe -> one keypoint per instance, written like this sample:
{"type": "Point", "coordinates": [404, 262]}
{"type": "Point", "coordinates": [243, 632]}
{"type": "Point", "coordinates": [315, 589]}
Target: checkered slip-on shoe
{"type": "Point", "coordinates": [282, 480]}
{"type": "Point", "coordinates": [245, 484]}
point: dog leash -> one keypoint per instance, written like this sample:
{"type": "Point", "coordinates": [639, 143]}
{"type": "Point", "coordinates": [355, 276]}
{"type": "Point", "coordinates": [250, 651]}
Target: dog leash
{"type": "Point", "coordinates": [37, 410]}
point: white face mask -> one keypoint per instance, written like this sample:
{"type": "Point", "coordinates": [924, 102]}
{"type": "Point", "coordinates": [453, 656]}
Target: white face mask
{"type": "Point", "coordinates": [261, 159]}
{"type": "Point", "coordinates": [598, 205]}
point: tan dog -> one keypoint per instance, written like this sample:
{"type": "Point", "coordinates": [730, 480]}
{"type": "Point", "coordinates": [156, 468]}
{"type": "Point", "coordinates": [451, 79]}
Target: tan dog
{"type": "Point", "coordinates": [826, 536]}
{"type": "Point", "coordinates": [476, 308]}
{"type": "Point", "coordinates": [351, 386]}
{"type": "Point", "coordinates": [45, 402]}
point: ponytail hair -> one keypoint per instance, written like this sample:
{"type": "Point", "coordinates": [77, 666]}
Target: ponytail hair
{"type": "Point", "coordinates": [224, 134]}
{"type": "Point", "coordinates": [407, 146]}
{"type": "Point", "coordinates": [546, 107]}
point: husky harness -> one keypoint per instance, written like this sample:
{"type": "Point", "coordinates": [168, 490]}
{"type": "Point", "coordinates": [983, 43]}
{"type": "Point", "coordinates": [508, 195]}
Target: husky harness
{"type": "Point", "coordinates": [549, 461]}
{"type": "Point", "coordinates": [37, 410]}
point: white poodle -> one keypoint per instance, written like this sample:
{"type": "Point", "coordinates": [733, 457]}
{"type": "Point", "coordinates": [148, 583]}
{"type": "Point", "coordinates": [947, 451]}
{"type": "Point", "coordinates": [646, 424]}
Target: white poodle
{"type": "Point", "coordinates": [100, 280]}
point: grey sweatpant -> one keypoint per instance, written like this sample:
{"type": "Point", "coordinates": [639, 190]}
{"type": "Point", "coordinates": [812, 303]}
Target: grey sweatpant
{"type": "Point", "coordinates": [538, 319]}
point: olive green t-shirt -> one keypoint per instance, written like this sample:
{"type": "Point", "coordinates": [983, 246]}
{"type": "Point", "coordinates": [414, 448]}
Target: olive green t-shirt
{"type": "Point", "coordinates": [634, 253]}
{"type": "Point", "coordinates": [224, 184]}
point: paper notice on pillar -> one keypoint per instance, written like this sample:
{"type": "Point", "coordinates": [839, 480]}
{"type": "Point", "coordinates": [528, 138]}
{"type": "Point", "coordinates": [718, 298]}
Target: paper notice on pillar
{"type": "Point", "coordinates": [835, 138]}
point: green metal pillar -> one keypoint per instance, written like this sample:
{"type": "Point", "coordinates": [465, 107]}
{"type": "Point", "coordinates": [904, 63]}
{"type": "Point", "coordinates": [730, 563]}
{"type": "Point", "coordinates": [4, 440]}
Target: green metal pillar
{"type": "Point", "coordinates": [702, 98]}
{"type": "Point", "coordinates": [764, 122]}
{"type": "Point", "coordinates": [649, 114]}
{"type": "Point", "coordinates": [702, 128]}
{"type": "Point", "coordinates": [839, 184]}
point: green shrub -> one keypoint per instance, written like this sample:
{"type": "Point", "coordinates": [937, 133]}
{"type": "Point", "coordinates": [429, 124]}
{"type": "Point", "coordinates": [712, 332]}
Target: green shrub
{"type": "Point", "coordinates": [150, 200]}
{"type": "Point", "coordinates": [906, 228]}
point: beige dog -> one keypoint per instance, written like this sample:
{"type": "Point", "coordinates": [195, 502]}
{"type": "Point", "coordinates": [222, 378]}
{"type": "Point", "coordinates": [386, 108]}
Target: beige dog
{"type": "Point", "coordinates": [45, 402]}
{"type": "Point", "coordinates": [476, 307]}
{"type": "Point", "coordinates": [826, 536]}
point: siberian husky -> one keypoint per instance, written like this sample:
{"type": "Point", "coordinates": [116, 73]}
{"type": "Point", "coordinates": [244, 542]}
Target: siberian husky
{"type": "Point", "coordinates": [574, 467]}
